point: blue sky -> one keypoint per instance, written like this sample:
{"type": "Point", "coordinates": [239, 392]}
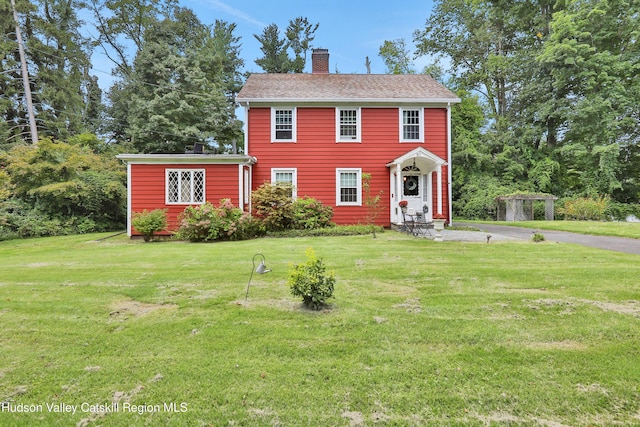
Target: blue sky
{"type": "Point", "coordinates": [351, 30]}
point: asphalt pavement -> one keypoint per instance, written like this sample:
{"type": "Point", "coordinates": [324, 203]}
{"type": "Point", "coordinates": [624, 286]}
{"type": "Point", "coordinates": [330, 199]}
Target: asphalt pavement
{"type": "Point", "coordinates": [505, 232]}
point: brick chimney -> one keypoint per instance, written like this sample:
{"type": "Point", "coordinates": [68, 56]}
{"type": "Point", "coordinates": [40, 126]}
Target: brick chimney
{"type": "Point", "coordinates": [320, 61]}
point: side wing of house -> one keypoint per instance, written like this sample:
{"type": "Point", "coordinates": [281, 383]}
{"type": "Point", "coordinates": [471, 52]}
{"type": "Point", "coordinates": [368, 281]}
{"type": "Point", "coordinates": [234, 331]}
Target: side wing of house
{"type": "Point", "coordinates": [173, 182]}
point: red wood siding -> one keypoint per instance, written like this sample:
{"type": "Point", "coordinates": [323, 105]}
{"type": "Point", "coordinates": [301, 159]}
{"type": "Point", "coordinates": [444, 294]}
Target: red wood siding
{"type": "Point", "coordinates": [316, 155]}
{"type": "Point", "coordinates": [148, 184]}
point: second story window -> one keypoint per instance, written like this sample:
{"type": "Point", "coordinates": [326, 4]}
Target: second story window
{"type": "Point", "coordinates": [348, 124]}
{"type": "Point", "coordinates": [283, 124]}
{"type": "Point", "coordinates": [412, 125]}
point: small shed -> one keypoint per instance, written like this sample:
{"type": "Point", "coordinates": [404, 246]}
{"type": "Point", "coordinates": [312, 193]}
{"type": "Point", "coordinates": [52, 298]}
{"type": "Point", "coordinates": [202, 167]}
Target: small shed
{"type": "Point", "coordinates": [521, 207]}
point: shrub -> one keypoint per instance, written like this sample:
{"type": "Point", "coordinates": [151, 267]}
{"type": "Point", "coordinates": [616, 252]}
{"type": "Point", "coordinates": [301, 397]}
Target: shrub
{"type": "Point", "coordinates": [198, 223]}
{"type": "Point", "coordinates": [206, 223]}
{"type": "Point", "coordinates": [621, 211]}
{"type": "Point", "coordinates": [149, 223]}
{"type": "Point", "coordinates": [310, 282]}
{"type": "Point", "coordinates": [586, 209]}
{"type": "Point", "coordinates": [537, 237]}
{"type": "Point", "coordinates": [247, 227]}
{"type": "Point", "coordinates": [309, 213]}
{"type": "Point", "coordinates": [273, 205]}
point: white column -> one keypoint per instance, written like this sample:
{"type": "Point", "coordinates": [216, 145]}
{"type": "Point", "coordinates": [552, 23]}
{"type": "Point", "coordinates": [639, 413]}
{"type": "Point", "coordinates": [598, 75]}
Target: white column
{"type": "Point", "coordinates": [439, 172]}
{"type": "Point", "coordinates": [398, 190]}
{"type": "Point", "coordinates": [449, 164]}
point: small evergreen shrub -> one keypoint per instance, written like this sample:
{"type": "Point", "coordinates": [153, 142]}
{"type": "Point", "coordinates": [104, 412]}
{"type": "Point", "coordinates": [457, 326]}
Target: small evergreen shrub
{"type": "Point", "coordinates": [310, 282]}
{"type": "Point", "coordinates": [309, 213]}
{"type": "Point", "coordinates": [149, 222]}
{"type": "Point", "coordinates": [537, 237]}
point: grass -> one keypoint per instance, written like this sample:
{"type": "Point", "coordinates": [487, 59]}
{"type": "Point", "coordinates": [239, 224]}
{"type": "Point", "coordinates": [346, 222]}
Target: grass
{"type": "Point", "coordinates": [595, 228]}
{"type": "Point", "coordinates": [419, 333]}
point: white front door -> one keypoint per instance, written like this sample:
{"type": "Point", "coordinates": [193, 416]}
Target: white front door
{"type": "Point", "coordinates": [415, 190]}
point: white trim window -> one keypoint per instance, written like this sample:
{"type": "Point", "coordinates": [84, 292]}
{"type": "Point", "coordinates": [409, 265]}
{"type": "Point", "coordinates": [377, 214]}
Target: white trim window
{"type": "Point", "coordinates": [348, 128]}
{"type": "Point", "coordinates": [185, 186]}
{"type": "Point", "coordinates": [286, 176]}
{"type": "Point", "coordinates": [349, 187]}
{"type": "Point", "coordinates": [283, 124]}
{"type": "Point", "coordinates": [411, 124]}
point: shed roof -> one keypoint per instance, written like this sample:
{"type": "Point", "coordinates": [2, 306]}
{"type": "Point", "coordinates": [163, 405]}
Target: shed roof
{"type": "Point", "coordinates": [371, 88]}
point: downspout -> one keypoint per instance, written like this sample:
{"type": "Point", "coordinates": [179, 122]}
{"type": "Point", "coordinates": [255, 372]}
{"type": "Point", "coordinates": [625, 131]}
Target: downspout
{"type": "Point", "coordinates": [245, 129]}
{"type": "Point", "coordinates": [449, 163]}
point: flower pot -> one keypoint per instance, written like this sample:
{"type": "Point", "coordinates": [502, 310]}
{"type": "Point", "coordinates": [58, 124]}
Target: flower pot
{"type": "Point", "coordinates": [438, 226]}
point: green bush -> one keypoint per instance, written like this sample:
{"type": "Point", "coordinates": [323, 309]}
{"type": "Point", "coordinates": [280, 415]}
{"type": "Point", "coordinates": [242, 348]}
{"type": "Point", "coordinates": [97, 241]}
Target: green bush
{"type": "Point", "coordinates": [585, 209]}
{"type": "Point", "coordinates": [310, 282]}
{"type": "Point", "coordinates": [620, 211]}
{"type": "Point", "coordinates": [476, 199]}
{"type": "Point", "coordinates": [149, 223]}
{"type": "Point", "coordinates": [204, 223]}
{"type": "Point", "coordinates": [247, 227]}
{"type": "Point", "coordinates": [309, 213]}
{"type": "Point", "coordinates": [198, 223]}
{"type": "Point", "coordinates": [272, 203]}
{"type": "Point", "coordinates": [537, 237]}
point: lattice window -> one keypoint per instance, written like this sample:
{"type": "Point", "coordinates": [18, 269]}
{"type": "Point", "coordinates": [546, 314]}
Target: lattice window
{"type": "Point", "coordinates": [185, 186]}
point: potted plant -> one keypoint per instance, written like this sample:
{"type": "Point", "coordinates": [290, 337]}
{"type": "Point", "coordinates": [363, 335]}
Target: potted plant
{"type": "Point", "coordinates": [403, 205]}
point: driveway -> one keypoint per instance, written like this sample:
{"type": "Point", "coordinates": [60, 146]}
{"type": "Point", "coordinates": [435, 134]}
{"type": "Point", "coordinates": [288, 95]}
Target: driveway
{"type": "Point", "coordinates": [619, 244]}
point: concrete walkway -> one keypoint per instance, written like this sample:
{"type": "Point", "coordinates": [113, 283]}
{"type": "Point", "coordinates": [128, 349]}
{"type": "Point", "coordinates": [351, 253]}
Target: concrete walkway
{"type": "Point", "coordinates": [505, 232]}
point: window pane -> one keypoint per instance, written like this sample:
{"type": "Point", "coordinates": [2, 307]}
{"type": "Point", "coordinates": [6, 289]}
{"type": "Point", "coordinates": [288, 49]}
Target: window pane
{"type": "Point", "coordinates": [348, 195]}
{"type": "Point", "coordinates": [172, 187]}
{"type": "Point", "coordinates": [284, 177]}
{"type": "Point", "coordinates": [185, 187]}
{"type": "Point", "coordinates": [348, 179]}
{"type": "Point", "coordinates": [348, 124]}
{"type": "Point", "coordinates": [284, 124]}
{"type": "Point", "coordinates": [348, 187]}
{"type": "Point", "coordinates": [198, 186]}
{"type": "Point", "coordinates": [411, 124]}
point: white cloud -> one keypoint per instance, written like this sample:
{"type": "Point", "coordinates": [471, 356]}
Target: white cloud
{"type": "Point", "coordinates": [217, 4]}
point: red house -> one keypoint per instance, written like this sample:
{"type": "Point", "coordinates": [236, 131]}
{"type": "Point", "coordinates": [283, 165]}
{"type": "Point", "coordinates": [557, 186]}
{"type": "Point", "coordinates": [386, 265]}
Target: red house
{"type": "Point", "coordinates": [320, 132]}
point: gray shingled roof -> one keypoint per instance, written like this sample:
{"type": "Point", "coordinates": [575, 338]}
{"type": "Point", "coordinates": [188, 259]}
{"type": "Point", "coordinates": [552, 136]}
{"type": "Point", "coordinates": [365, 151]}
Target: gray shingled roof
{"type": "Point", "coordinates": [344, 88]}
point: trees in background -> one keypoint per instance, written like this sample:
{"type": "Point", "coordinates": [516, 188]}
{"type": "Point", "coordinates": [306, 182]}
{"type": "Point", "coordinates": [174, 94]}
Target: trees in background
{"type": "Point", "coordinates": [275, 48]}
{"type": "Point", "coordinates": [66, 98]}
{"type": "Point", "coordinates": [60, 188]}
{"type": "Point", "coordinates": [557, 84]}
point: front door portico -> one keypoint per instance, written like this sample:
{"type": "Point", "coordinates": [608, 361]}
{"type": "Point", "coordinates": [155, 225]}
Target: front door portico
{"type": "Point", "coordinates": [411, 180]}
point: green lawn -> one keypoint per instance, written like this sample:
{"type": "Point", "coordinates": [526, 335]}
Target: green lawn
{"type": "Point", "coordinates": [596, 228]}
{"type": "Point", "coordinates": [419, 333]}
